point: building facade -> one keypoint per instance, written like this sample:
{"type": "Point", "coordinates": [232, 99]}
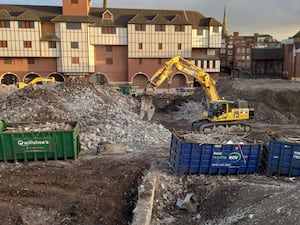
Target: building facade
{"type": "Point", "coordinates": [251, 55]}
{"type": "Point", "coordinates": [292, 57]}
{"type": "Point", "coordinates": [111, 46]}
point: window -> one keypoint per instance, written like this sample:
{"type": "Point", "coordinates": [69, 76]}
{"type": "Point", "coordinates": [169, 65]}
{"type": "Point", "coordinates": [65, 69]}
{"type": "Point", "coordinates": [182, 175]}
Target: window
{"type": "Point", "coordinates": [199, 31]}
{"type": "Point", "coordinates": [179, 46]}
{"type": "Point", "coordinates": [26, 24]}
{"type": "Point", "coordinates": [223, 51]}
{"type": "Point", "coordinates": [30, 61]}
{"type": "Point", "coordinates": [160, 27]}
{"type": "Point", "coordinates": [4, 24]}
{"type": "Point", "coordinates": [159, 46]}
{"type": "Point", "coordinates": [3, 44]}
{"type": "Point", "coordinates": [140, 27]}
{"type": "Point", "coordinates": [27, 44]}
{"type": "Point", "coordinates": [108, 48]}
{"type": "Point", "coordinates": [211, 52]}
{"type": "Point", "coordinates": [216, 29]}
{"type": "Point", "coordinates": [140, 45]}
{"type": "Point", "coordinates": [108, 30]}
{"type": "Point", "coordinates": [74, 44]}
{"type": "Point", "coordinates": [140, 61]}
{"type": "Point", "coordinates": [7, 60]}
{"type": "Point", "coordinates": [159, 61]}
{"type": "Point", "coordinates": [73, 26]}
{"type": "Point", "coordinates": [75, 60]}
{"type": "Point", "coordinates": [74, 1]}
{"type": "Point", "coordinates": [179, 28]}
{"type": "Point", "coordinates": [109, 61]}
{"type": "Point", "coordinates": [51, 44]}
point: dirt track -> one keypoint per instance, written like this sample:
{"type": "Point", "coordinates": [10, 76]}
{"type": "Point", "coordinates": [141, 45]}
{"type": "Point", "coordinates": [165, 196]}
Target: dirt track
{"type": "Point", "coordinates": [101, 189]}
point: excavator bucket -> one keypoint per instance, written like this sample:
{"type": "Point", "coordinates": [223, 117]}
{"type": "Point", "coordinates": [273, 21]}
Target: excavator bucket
{"type": "Point", "coordinates": [147, 107]}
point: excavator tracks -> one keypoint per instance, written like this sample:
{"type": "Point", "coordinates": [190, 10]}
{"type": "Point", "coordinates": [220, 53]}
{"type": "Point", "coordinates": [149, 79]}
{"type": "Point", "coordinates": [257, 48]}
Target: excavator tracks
{"type": "Point", "coordinates": [208, 127]}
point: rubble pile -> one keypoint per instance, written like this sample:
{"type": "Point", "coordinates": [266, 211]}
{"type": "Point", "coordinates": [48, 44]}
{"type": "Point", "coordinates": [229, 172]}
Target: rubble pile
{"type": "Point", "coordinates": [216, 138]}
{"type": "Point", "coordinates": [105, 115]}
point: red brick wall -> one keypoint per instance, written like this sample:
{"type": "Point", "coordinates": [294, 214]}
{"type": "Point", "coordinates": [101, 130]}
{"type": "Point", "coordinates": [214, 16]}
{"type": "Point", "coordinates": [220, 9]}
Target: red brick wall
{"type": "Point", "coordinates": [117, 71]}
{"type": "Point", "coordinates": [80, 9]}
{"type": "Point", "coordinates": [20, 67]}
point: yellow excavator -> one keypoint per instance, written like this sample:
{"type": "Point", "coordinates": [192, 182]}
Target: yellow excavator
{"type": "Point", "coordinates": [221, 113]}
{"type": "Point", "coordinates": [36, 80]}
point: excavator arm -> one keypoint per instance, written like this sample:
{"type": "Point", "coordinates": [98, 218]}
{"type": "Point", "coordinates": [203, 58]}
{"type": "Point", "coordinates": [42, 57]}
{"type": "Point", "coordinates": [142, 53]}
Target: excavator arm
{"type": "Point", "coordinates": [180, 64]}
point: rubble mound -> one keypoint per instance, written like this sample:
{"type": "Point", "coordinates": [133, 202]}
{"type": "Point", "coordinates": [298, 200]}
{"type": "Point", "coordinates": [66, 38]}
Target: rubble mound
{"type": "Point", "coordinates": [105, 115]}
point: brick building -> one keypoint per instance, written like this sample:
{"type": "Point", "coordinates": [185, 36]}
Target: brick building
{"type": "Point", "coordinates": [251, 55]}
{"type": "Point", "coordinates": [292, 57]}
{"type": "Point", "coordinates": [112, 46]}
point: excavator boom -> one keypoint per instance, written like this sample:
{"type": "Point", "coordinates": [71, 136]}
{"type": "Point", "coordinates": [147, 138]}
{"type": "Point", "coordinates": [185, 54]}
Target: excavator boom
{"type": "Point", "coordinates": [220, 111]}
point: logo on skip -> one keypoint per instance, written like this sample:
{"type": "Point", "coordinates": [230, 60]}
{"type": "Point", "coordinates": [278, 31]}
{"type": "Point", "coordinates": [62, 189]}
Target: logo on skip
{"type": "Point", "coordinates": [33, 142]}
{"type": "Point", "coordinates": [235, 156]}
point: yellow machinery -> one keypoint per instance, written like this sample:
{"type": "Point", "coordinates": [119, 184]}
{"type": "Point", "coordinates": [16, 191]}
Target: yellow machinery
{"type": "Point", "coordinates": [37, 80]}
{"type": "Point", "coordinates": [220, 112]}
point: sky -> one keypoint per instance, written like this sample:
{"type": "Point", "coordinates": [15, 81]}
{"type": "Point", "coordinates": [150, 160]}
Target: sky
{"type": "Point", "coordinates": [278, 18]}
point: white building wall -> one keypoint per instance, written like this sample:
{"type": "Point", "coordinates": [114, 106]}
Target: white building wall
{"type": "Point", "coordinates": [67, 53]}
{"type": "Point", "coordinates": [97, 38]}
{"type": "Point", "coordinates": [200, 41]}
{"type": "Point", "coordinates": [15, 38]}
{"type": "Point", "coordinates": [215, 38]}
{"type": "Point", "coordinates": [49, 52]}
{"type": "Point", "coordinates": [150, 40]}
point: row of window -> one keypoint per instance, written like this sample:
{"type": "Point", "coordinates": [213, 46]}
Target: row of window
{"type": "Point", "coordinates": [26, 44]}
{"type": "Point", "coordinates": [21, 24]}
{"type": "Point", "coordinates": [160, 46]}
{"type": "Point", "coordinates": [74, 45]}
{"type": "Point", "coordinates": [108, 61]}
{"type": "Point", "coordinates": [8, 60]}
{"type": "Point", "coordinates": [160, 27]}
{"type": "Point", "coordinates": [107, 29]}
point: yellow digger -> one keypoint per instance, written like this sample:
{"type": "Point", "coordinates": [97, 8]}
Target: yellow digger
{"type": "Point", "coordinates": [36, 80]}
{"type": "Point", "coordinates": [221, 113]}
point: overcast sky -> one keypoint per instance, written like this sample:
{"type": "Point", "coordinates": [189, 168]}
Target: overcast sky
{"type": "Point", "coordinates": [279, 18]}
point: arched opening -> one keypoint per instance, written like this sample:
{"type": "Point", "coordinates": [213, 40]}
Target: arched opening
{"type": "Point", "coordinates": [57, 77]}
{"type": "Point", "coordinates": [140, 80]}
{"type": "Point", "coordinates": [9, 79]}
{"type": "Point", "coordinates": [29, 77]}
{"type": "Point", "coordinates": [178, 80]}
{"type": "Point", "coordinates": [99, 79]}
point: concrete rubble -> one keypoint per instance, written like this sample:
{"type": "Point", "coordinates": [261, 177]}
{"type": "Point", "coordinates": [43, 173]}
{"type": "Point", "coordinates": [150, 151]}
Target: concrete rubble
{"type": "Point", "coordinates": [105, 115]}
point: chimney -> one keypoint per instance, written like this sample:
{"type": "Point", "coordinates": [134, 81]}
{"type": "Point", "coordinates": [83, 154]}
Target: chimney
{"type": "Point", "coordinates": [105, 4]}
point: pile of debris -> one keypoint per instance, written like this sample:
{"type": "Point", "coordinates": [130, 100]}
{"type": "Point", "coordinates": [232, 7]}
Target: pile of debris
{"type": "Point", "coordinates": [105, 115]}
{"type": "Point", "coordinates": [216, 137]}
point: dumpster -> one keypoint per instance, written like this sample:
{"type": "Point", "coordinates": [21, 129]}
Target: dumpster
{"type": "Point", "coordinates": [39, 141]}
{"type": "Point", "coordinates": [206, 158]}
{"type": "Point", "coordinates": [280, 157]}
{"type": "Point", "coordinates": [128, 90]}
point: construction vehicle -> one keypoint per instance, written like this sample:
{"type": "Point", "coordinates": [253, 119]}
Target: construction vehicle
{"type": "Point", "coordinates": [36, 80]}
{"type": "Point", "coordinates": [220, 112]}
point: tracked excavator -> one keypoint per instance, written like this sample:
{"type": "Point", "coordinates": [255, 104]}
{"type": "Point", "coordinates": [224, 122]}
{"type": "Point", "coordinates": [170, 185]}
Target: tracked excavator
{"type": "Point", "coordinates": [220, 114]}
{"type": "Point", "coordinates": [37, 80]}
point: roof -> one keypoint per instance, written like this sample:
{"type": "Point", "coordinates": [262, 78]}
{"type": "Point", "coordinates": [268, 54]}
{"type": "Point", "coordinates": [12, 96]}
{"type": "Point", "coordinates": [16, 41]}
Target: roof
{"type": "Point", "coordinates": [297, 34]}
{"type": "Point", "coordinates": [267, 53]}
{"type": "Point", "coordinates": [121, 16]}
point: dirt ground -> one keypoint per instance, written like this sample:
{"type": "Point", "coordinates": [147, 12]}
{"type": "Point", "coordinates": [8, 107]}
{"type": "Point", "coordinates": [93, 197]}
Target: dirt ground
{"type": "Point", "coordinates": [102, 189]}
